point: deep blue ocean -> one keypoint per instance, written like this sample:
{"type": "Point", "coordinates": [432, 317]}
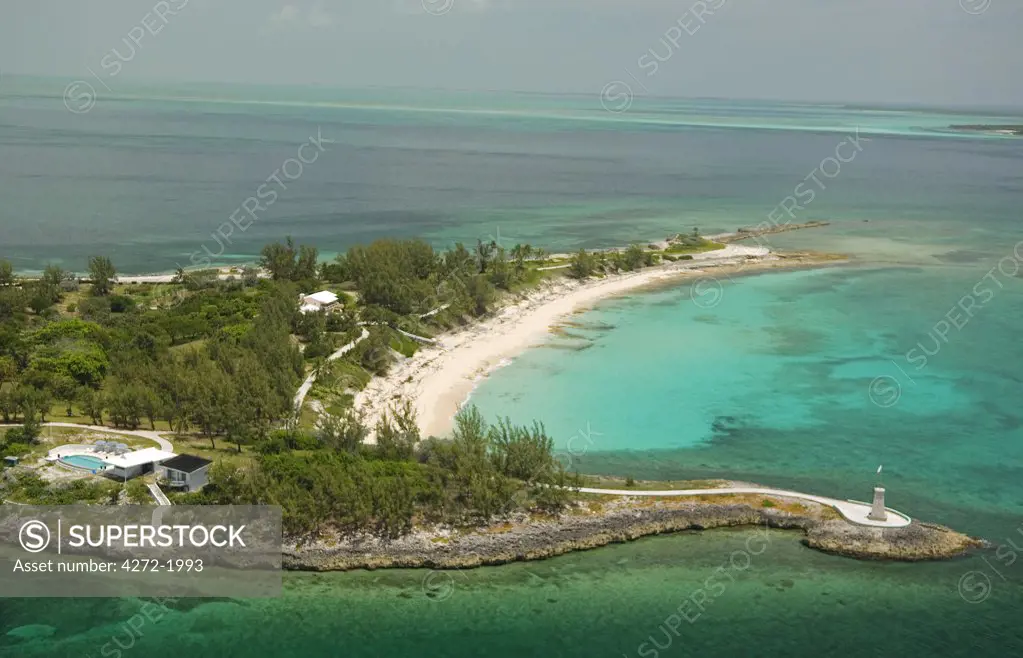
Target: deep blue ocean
{"type": "Point", "coordinates": [908, 356]}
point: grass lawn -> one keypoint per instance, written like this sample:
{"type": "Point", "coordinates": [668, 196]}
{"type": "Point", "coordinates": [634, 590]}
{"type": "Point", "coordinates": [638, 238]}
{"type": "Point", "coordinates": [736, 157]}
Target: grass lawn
{"type": "Point", "coordinates": [694, 249]}
{"type": "Point", "coordinates": [58, 414]}
{"type": "Point", "coordinates": [609, 482]}
{"type": "Point", "coordinates": [201, 446]}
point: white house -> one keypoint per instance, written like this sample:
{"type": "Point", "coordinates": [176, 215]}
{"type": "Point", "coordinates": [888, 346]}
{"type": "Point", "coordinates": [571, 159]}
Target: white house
{"type": "Point", "coordinates": [319, 301]}
{"type": "Point", "coordinates": [134, 464]}
{"type": "Point", "coordinates": [186, 472]}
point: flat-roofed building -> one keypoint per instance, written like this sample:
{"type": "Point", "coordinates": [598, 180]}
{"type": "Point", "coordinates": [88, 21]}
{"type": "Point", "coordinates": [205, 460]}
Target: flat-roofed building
{"type": "Point", "coordinates": [319, 301]}
{"type": "Point", "coordinates": [185, 472]}
{"type": "Point", "coordinates": [136, 463]}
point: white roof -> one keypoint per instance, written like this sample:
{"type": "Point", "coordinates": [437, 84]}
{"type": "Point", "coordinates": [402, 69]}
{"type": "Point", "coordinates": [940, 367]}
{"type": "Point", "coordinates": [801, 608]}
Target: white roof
{"type": "Point", "coordinates": [139, 457]}
{"type": "Point", "coordinates": [322, 297]}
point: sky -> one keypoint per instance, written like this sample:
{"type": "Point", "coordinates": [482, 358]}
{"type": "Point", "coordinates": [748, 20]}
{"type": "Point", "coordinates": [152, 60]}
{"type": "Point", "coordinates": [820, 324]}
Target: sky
{"type": "Point", "coordinates": [930, 52]}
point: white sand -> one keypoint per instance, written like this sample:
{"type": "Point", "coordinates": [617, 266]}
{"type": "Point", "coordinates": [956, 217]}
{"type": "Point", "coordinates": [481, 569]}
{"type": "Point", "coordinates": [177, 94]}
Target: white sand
{"type": "Point", "coordinates": [440, 378]}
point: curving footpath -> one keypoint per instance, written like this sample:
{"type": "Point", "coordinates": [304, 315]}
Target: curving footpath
{"type": "Point", "coordinates": [144, 434]}
{"type": "Point", "coordinates": [853, 511]}
{"type": "Point", "coordinates": [303, 390]}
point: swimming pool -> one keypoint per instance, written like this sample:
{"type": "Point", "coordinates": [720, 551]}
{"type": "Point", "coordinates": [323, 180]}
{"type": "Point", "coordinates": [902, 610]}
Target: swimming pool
{"type": "Point", "coordinates": [85, 462]}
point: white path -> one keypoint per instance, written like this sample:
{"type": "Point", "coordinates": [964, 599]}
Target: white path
{"type": "Point", "coordinates": [158, 494]}
{"type": "Point", "coordinates": [303, 390]}
{"type": "Point", "coordinates": [145, 434]}
{"type": "Point", "coordinates": [851, 510]}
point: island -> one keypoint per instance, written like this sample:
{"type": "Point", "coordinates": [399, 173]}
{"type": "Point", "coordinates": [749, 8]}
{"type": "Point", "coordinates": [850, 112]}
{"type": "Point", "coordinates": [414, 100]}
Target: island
{"type": "Point", "coordinates": [994, 129]}
{"type": "Point", "coordinates": [336, 390]}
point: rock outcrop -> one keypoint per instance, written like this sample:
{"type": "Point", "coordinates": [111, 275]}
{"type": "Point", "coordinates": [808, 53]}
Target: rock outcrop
{"type": "Point", "coordinates": [529, 538]}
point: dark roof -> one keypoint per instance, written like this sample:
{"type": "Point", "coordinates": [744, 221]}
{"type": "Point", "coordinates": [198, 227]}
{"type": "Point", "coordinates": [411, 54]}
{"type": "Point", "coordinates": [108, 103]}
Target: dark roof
{"type": "Point", "coordinates": [186, 463]}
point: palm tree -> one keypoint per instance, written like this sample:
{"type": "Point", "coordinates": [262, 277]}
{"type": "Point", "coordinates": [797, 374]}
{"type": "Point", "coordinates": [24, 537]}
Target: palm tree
{"type": "Point", "coordinates": [484, 251]}
{"type": "Point", "coordinates": [521, 253]}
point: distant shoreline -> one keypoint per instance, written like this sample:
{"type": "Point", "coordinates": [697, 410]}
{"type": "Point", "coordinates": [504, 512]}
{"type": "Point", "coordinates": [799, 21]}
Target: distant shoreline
{"type": "Point", "coordinates": [993, 129]}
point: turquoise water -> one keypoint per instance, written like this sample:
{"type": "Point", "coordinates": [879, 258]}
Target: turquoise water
{"type": "Point", "coordinates": [799, 379]}
{"type": "Point", "coordinates": [84, 461]}
{"type": "Point", "coordinates": [784, 600]}
{"type": "Point", "coordinates": [773, 383]}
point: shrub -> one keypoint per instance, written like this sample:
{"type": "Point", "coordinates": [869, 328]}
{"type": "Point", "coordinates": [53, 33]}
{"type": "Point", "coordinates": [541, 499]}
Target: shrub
{"type": "Point", "coordinates": [767, 503]}
{"type": "Point", "coordinates": [24, 435]}
{"type": "Point", "coordinates": [12, 449]}
{"type": "Point", "coordinates": [137, 492]}
{"type": "Point", "coordinates": [272, 445]}
{"type": "Point", "coordinates": [582, 265]}
{"type": "Point", "coordinates": [121, 304]}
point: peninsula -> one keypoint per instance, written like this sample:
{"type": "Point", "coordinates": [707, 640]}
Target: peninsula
{"type": "Point", "coordinates": [994, 129]}
{"type": "Point", "coordinates": [336, 390]}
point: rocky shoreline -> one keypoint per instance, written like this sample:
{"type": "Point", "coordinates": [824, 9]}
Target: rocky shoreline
{"type": "Point", "coordinates": [597, 521]}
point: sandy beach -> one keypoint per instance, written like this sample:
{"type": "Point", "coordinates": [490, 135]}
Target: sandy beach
{"type": "Point", "coordinates": [441, 377]}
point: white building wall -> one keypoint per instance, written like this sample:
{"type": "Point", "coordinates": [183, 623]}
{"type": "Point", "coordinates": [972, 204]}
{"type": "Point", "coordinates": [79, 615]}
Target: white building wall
{"type": "Point", "coordinates": [198, 479]}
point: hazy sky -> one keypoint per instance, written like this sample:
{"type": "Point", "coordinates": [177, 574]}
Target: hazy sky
{"type": "Point", "coordinates": [900, 51]}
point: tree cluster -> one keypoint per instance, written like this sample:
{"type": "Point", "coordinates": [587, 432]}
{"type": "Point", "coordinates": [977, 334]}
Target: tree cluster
{"type": "Point", "coordinates": [334, 480]}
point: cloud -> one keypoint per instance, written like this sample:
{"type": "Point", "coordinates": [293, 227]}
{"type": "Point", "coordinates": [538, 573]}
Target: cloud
{"type": "Point", "coordinates": [319, 17]}
{"type": "Point", "coordinates": [292, 16]}
{"type": "Point", "coordinates": [287, 14]}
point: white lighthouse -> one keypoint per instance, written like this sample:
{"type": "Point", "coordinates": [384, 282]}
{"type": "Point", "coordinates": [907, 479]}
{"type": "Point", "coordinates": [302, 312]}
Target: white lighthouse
{"type": "Point", "coordinates": [877, 511]}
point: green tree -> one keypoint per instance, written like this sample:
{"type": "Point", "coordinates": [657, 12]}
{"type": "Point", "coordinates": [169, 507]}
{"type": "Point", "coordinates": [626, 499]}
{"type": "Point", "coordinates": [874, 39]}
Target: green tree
{"type": "Point", "coordinates": [343, 433]}
{"type": "Point", "coordinates": [6, 274]}
{"type": "Point", "coordinates": [521, 253]}
{"type": "Point", "coordinates": [41, 296]}
{"type": "Point", "coordinates": [8, 369]}
{"type": "Point", "coordinates": [481, 294]}
{"type": "Point", "coordinates": [524, 453]}
{"type": "Point", "coordinates": [93, 404]}
{"type": "Point", "coordinates": [305, 267]}
{"type": "Point", "coordinates": [374, 353]}
{"type": "Point", "coordinates": [279, 260]}
{"type": "Point", "coordinates": [635, 258]}
{"type": "Point", "coordinates": [65, 389]}
{"type": "Point", "coordinates": [502, 274]}
{"type": "Point", "coordinates": [397, 432]}
{"type": "Point", "coordinates": [53, 275]}
{"type": "Point", "coordinates": [582, 265]}
{"type": "Point", "coordinates": [101, 273]}
{"type": "Point", "coordinates": [484, 252]}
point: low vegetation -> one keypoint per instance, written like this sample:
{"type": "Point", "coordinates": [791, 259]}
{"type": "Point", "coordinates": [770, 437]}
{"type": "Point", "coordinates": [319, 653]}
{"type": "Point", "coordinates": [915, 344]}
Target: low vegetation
{"type": "Point", "coordinates": [584, 264]}
{"type": "Point", "coordinates": [216, 358]}
{"type": "Point", "coordinates": [331, 480]}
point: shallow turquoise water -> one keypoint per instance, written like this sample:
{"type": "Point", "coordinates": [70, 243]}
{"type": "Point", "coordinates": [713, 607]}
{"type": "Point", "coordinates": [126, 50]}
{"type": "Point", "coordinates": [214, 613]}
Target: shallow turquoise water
{"type": "Point", "coordinates": [773, 382]}
{"type": "Point", "coordinates": [742, 593]}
